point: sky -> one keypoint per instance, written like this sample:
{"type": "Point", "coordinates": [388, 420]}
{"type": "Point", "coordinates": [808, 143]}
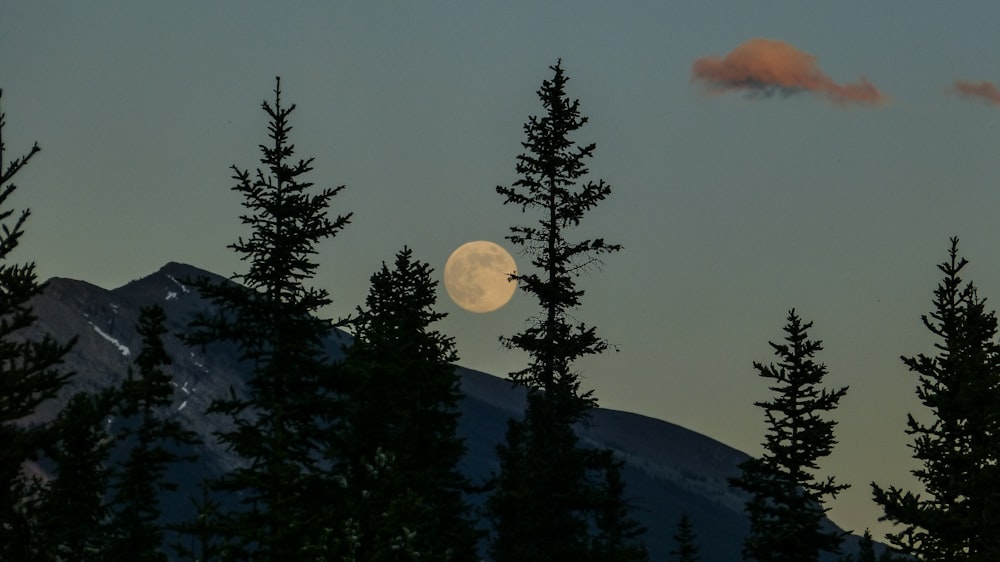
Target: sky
{"type": "Point", "coordinates": [763, 156]}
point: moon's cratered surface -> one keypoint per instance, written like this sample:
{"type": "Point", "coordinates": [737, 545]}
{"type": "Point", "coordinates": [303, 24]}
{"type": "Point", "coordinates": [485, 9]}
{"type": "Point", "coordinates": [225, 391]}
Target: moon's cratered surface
{"type": "Point", "coordinates": [476, 276]}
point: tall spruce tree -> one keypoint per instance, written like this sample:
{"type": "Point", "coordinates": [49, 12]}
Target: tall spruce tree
{"type": "Point", "coordinates": [400, 377]}
{"type": "Point", "coordinates": [29, 370]}
{"type": "Point", "coordinates": [271, 317]}
{"type": "Point", "coordinates": [685, 542]}
{"type": "Point", "coordinates": [152, 442]}
{"type": "Point", "coordinates": [959, 449]}
{"type": "Point", "coordinates": [786, 504]}
{"type": "Point", "coordinates": [549, 489]}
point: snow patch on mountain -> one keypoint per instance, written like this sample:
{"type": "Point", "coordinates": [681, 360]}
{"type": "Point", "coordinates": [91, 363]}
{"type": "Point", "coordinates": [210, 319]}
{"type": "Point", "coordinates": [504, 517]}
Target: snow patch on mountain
{"type": "Point", "coordinates": [125, 351]}
{"type": "Point", "coordinates": [182, 286]}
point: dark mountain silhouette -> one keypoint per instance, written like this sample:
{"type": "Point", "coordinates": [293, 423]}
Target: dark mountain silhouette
{"type": "Point", "coordinates": [669, 470]}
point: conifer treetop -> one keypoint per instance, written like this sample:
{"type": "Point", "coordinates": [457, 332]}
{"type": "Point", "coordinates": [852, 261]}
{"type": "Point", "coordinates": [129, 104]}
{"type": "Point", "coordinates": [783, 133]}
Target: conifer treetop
{"type": "Point", "coordinates": [955, 516]}
{"type": "Point", "coordinates": [786, 504]}
{"type": "Point", "coordinates": [550, 184]}
{"type": "Point", "coordinates": [283, 421]}
{"type": "Point", "coordinates": [285, 219]}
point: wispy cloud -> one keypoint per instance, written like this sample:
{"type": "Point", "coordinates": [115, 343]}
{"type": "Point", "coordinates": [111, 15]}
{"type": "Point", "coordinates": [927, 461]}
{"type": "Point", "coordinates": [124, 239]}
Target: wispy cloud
{"type": "Point", "coordinates": [982, 91]}
{"type": "Point", "coordinates": [765, 67]}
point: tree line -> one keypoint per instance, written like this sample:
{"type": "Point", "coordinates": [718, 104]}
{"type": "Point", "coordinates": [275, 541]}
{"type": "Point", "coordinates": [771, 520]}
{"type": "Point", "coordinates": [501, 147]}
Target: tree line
{"type": "Point", "coordinates": [355, 458]}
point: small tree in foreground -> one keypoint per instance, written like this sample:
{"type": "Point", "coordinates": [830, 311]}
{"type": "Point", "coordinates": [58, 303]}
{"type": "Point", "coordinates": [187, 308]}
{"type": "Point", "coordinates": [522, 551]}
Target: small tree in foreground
{"type": "Point", "coordinates": [152, 442]}
{"type": "Point", "coordinates": [959, 518]}
{"type": "Point", "coordinates": [73, 516]}
{"type": "Point", "coordinates": [866, 548]}
{"type": "Point", "coordinates": [786, 505]}
{"type": "Point", "coordinates": [685, 542]}
{"type": "Point", "coordinates": [618, 537]}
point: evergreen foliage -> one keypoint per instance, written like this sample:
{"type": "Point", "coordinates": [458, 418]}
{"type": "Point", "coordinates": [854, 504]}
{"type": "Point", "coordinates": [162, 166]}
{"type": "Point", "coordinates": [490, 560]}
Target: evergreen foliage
{"type": "Point", "coordinates": [152, 442]}
{"type": "Point", "coordinates": [959, 449]}
{"type": "Point", "coordinates": [550, 183]}
{"type": "Point", "coordinates": [549, 490]}
{"type": "Point", "coordinates": [685, 541]}
{"type": "Point", "coordinates": [280, 425]}
{"type": "Point", "coordinates": [618, 537]}
{"type": "Point", "coordinates": [538, 503]}
{"type": "Point", "coordinates": [404, 396]}
{"type": "Point", "coordinates": [198, 538]}
{"type": "Point", "coordinates": [866, 548]}
{"type": "Point", "coordinates": [376, 518]}
{"type": "Point", "coordinates": [786, 505]}
{"type": "Point", "coordinates": [29, 371]}
{"type": "Point", "coordinates": [73, 514]}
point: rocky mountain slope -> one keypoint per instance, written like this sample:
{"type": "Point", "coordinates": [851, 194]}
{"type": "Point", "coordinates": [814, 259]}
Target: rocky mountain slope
{"type": "Point", "coordinates": [669, 470]}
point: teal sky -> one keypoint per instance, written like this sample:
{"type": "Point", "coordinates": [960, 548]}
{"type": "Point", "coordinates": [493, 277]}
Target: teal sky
{"type": "Point", "coordinates": [732, 207]}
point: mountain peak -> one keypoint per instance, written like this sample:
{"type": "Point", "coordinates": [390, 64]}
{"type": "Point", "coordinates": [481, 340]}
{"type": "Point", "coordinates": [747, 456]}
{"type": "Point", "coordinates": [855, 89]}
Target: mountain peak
{"type": "Point", "coordinates": [172, 282]}
{"type": "Point", "coordinates": [181, 272]}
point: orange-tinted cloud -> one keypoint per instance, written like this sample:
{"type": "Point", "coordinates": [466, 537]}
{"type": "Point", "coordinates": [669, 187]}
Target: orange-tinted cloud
{"type": "Point", "coordinates": [767, 67]}
{"type": "Point", "coordinates": [983, 91]}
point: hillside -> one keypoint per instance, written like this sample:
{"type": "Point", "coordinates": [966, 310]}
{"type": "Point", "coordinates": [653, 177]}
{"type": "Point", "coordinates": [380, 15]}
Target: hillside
{"type": "Point", "coordinates": [669, 470]}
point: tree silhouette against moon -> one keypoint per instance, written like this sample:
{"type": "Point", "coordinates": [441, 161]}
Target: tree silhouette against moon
{"type": "Point", "coordinates": [476, 276]}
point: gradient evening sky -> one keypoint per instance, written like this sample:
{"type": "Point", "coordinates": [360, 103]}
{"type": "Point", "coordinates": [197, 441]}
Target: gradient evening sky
{"type": "Point", "coordinates": [736, 196]}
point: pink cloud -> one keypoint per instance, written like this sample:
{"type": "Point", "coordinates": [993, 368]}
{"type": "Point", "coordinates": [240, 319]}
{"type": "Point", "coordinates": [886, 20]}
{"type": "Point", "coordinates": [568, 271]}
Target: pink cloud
{"type": "Point", "coordinates": [983, 91]}
{"type": "Point", "coordinates": [767, 67]}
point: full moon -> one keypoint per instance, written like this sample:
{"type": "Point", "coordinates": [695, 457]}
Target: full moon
{"type": "Point", "coordinates": [476, 276]}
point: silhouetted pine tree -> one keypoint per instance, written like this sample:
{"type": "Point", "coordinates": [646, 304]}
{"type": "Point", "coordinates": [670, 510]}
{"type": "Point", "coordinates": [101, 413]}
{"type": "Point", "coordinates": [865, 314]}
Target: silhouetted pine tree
{"type": "Point", "coordinates": [959, 518]}
{"type": "Point", "coordinates": [866, 548]}
{"type": "Point", "coordinates": [549, 488]}
{"type": "Point", "coordinates": [618, 537]}
{"type": "Point", "coordinates": [73, 514]}
{"type": "Point", "coordinates": [199, 539]}
{"type": "Point", "coordinates": [685, 542]}
{"type": "Point", "coordinates": [403, 406]}
{"type": "Point", "coordinates": [279, 426]}
{"type": "Point", "coordinates": [29, 371]}
{"type": "Point", "coordinates": [152, 443]}
{"type": "Point", "coordinates": [786, 499]}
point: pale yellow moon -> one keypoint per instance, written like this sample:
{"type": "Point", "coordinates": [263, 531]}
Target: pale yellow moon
{"type": "Point", "coordinates": [476, 276]}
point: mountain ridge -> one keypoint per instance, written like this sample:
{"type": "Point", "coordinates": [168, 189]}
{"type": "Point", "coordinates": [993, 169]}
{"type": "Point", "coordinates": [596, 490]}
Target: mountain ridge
{"type": "Point", "coordinates": [669, 470]}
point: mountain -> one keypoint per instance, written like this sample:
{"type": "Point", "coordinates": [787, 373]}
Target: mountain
{"type": "Point", "coordinates": [669, 470]}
